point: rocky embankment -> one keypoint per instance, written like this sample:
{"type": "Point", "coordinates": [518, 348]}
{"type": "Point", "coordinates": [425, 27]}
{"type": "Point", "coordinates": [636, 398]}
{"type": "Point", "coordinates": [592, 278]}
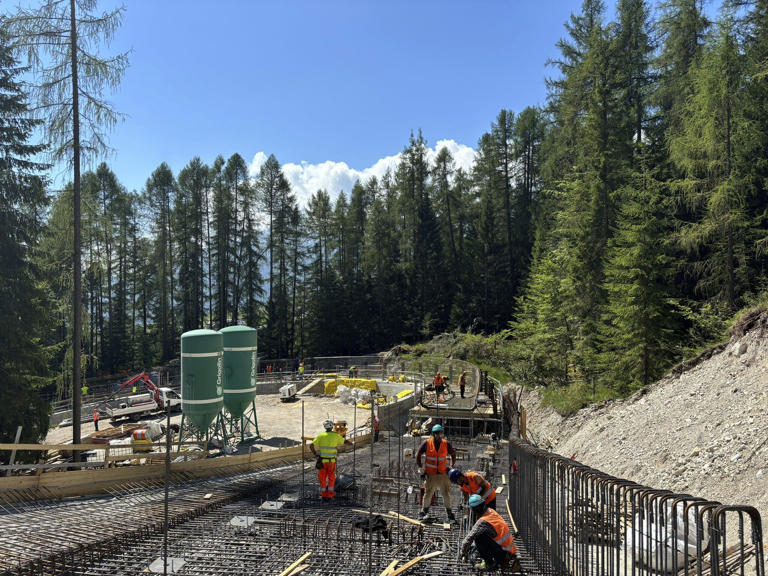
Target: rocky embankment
{"type": "Point", "coordinates": [702, 430]}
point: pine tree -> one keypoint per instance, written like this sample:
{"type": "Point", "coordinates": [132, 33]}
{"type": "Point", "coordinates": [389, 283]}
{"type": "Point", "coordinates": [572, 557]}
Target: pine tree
{"type": "Point", "coordinates": [58, 39]}
{"type": "Point", "coordinates": [639, 328]}
{"type": "Point", "coordinates": [713, 190]}
{"type": "Point", "coordinates": [24, 303]}
{"type": "Point", "coordinates": [160, 193]}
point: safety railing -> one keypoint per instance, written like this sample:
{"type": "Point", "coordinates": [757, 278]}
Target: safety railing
{"type": "Point", "coordinates": [577, 520]}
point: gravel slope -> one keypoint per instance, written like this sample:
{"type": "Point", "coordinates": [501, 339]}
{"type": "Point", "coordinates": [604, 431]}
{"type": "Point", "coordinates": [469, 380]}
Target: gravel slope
{"type": "Point", "coordinates": [704, 432]}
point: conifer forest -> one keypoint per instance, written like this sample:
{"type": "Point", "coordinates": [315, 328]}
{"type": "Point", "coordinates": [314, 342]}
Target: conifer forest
{"type": "Point", "coordinates": [603, 235]}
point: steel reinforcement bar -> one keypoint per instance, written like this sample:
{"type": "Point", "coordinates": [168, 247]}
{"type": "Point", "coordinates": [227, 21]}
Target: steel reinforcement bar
{"type": "Point", "coordinates": [577, 520]}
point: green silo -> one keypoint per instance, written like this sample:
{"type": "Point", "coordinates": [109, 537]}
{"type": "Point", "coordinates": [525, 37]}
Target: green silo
{"type": "Point", "coordinates": [240, 365]}
{"type": "Point", "coordinates": [201, 376]}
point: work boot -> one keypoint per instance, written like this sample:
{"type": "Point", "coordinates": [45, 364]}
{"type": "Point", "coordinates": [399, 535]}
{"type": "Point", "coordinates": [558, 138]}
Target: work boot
{"type": "Point", "coordinates": [484, 566]}
{"type": "Point", "coordinates": [451, 517]}
{"type": "Point", "coordinates": [424, 516]}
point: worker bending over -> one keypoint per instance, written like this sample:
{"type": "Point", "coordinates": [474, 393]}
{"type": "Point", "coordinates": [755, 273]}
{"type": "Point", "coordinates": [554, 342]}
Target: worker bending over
{"type": "Point", "coordinates": [472, 482]}
{"type": "Point", "coordinates": [436, 450]}
{"type": "Point", "coordinates": [493, 540]}
{"type": "Point", "coordinates": [327, 444]}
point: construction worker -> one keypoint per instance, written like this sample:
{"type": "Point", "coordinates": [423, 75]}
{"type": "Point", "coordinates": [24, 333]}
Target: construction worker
{"type": "Point", "coordinates": [301, 370]}
{"type": "Point", "coordinates": [492, 537]}
{"type": "Point", "coordinates": [376, 428]}
{"type": "Point", "coordinates": [327, 443]}
{"type": "Point", "coordinates": [439, 384]}
{"type": "Point", "coordinates": [96, 419]}
{"type": "Point", "coordinates": [84, 390]}
{"type": "Point", "coordinates": [134, 389]}
{"type": "Point", "coordinates": [472, 482]}
{"type": "Point", "coordinates": [462, 382]}
{"type": "Point", "coordinates": [436, 451]}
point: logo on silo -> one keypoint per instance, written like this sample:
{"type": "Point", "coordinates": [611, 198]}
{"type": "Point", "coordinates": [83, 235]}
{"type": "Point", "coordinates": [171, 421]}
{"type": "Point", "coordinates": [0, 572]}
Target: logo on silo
{"type": "Point", "coordinates": [219, 374]}
{"type": "Point", "coordinates": [254, 360]}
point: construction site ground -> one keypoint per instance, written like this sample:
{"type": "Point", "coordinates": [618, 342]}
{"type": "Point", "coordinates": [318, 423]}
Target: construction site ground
{"type": "Point", "coordinates": [279, 422]}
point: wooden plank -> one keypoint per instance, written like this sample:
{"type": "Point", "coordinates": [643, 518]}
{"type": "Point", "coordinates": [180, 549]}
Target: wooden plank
{"type": "Point", "coordinates": [43, 447]}
{"type": "Point", "coordinates": [299, 569]}
{"type": "Point", "coordinates": [388, 570]}
{"type": "Point", "coordinates": [290, 568]}
{"type": "Point", "coordinates": [52, 466]}
{"type": "Point", "coordinates": [408, 565]}
{"type": "Point", "coordinates": [406, 519]}
{"type": "Point", "coordinates": [511, 519]}
{"type": "Point", "coordinates": [503, 479]}
{"type": "Point", "coordinates": [500, 489]}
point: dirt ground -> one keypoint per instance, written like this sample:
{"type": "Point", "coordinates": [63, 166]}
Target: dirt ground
{"type": "Point", "coordinates": [280, 423]}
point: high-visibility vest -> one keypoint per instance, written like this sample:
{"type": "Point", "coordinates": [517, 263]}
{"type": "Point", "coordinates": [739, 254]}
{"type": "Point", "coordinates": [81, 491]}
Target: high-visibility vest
{"type": "Point", "coordinates": [375, 423]}
{"type": "Point", "coordinates": [474, 486]}
{"type": "Point", "coordinates": [84, 390]}
{"type": "Point", "coordinates": [327, 445]}
{"type": "Point", "coordinates": [503, 536]}
{"type": "Point", "coordinates": [436, 461]}
{"type": "Point", "coordinates": [95, 416]}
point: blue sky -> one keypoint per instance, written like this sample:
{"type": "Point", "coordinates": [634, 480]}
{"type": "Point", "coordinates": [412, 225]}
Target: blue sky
{"type": "Point", "coordinates": [332, 88]}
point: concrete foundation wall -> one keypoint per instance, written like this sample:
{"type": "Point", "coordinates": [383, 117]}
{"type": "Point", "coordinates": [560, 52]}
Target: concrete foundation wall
{"type": "Point", "coordinates": [395, 416]}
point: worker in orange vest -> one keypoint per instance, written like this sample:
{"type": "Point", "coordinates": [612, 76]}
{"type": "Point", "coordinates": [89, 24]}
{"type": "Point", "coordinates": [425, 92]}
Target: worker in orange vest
{"type": "Point", "coordinates": [436, 450]}
{"type": "Point", "coordinates": [462, 383]}
{"type": "Point", "coordinates": [472, 482]}
{"type": "Point", "coordinates": [96, 419]}
{"type": "Point", "coordinates": [492, 537]}
{"type": "Point", "coordinates": [376, 428]}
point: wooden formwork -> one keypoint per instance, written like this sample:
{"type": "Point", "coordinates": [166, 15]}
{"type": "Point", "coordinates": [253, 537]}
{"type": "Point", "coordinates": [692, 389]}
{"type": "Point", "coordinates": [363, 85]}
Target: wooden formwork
{"type": "Point", "coordinates": [95, 481]}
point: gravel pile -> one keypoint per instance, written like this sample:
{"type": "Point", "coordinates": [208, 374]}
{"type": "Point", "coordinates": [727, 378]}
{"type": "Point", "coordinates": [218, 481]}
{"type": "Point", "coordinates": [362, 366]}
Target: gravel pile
{"type": "Point", "coordinates": [703, 431]}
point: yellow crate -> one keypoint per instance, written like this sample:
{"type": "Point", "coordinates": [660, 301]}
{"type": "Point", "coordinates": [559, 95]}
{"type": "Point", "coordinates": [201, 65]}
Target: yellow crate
{"type": "Point", "coordinates": [141, 445]}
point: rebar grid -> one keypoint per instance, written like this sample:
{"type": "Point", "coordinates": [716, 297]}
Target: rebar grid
{"type": "Point", "coordinates": [122, 534]}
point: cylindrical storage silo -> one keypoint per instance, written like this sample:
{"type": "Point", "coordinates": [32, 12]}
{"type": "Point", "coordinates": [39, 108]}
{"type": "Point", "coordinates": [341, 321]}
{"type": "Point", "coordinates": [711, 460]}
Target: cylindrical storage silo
{"type": "Point", "coordinates": [201, 376]}
{"type": "Point", "coordinates": [240, 364]}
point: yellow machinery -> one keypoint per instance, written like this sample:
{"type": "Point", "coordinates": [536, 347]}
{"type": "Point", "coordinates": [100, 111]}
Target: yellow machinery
{"type": "Point", "coordinates": [340, 428]}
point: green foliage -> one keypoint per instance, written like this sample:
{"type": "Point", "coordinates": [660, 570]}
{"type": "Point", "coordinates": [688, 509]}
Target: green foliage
{"type": "Point", "coordinates": [24, 319]}
{"type": "Point", "coordinates": [568, 400]}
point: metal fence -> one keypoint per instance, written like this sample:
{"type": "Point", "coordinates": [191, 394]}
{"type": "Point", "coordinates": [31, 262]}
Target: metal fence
{"type": "Point", "coordinates": [577, 520]}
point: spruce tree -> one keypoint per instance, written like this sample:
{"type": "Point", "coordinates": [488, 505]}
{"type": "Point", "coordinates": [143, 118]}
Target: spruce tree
{"type": "Point", "coordinates": [24, 308]}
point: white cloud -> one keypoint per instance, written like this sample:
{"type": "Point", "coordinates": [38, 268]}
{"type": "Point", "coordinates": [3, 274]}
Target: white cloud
{"type": "Point", "coordinates": [333, 177]}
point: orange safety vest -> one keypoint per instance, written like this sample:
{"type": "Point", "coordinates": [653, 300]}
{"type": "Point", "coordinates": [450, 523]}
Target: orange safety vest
{"type": "Point", "coordinates": [95, 416]}
{"type": "Point", "coordinates": [375, 423]}
{"type": "Point", "coordinates": [473, 486]}
{"type": "Point", "coordinates": [436, 461]}
{"type": "Point", "coordinates": [503, 536]}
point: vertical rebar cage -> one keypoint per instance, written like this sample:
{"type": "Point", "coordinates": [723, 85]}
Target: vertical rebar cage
{"type": "Point", "coordinates": [577, 520]}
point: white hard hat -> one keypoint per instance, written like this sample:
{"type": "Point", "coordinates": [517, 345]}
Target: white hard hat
{"type": "Point", "coordinates": [328, 425]}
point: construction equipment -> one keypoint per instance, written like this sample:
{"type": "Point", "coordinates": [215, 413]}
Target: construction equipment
{"type": "Point", "coordinates": [136, 406]}
{"type": "Point", "coordinates": [340, 428]}
{"type": "Point", "coordinates": [288, 392]}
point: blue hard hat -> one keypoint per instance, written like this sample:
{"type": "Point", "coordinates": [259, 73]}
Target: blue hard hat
{"type": "Point", "coordinates": [453, 475]}
{"type": "Point", "coordinates": [437, 428]}
{"type": "Point", "coordinates": [475, 501]}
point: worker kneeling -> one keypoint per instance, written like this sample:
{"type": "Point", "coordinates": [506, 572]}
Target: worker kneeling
{"type": "Point", "coordinates": [327, 444]}
{"type": "Point", "coordinates": [491, 535]}
{"type": "Point", "coordinates": [472, 482]}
